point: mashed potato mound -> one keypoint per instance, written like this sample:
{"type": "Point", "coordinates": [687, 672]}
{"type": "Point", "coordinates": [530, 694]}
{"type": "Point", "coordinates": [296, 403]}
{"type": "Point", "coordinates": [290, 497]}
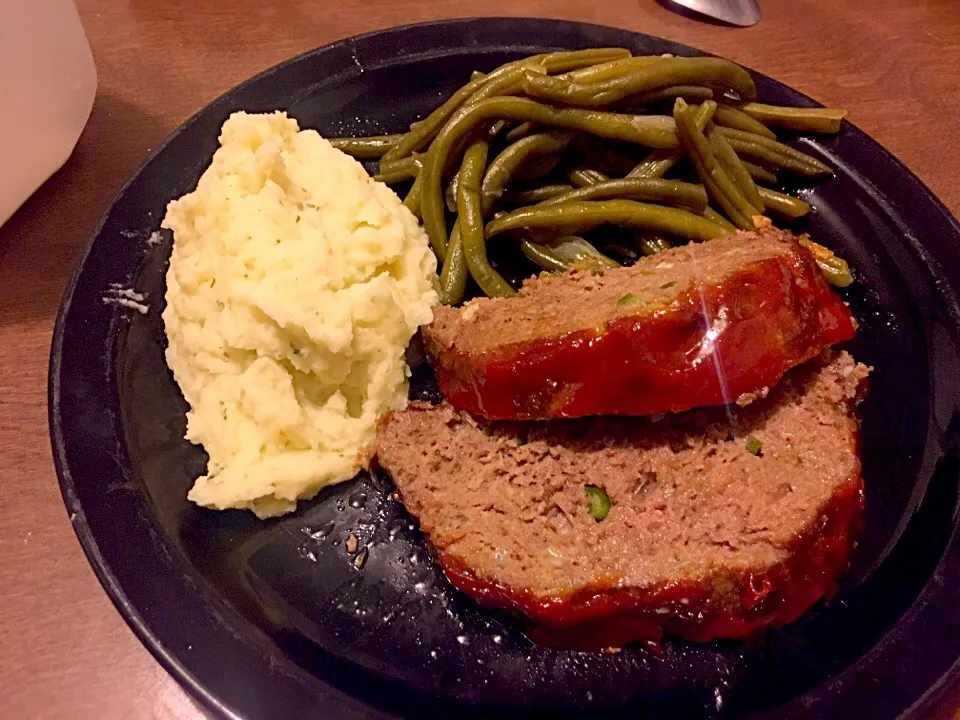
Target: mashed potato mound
{"type": "Point", "coordinates": [295, 284]}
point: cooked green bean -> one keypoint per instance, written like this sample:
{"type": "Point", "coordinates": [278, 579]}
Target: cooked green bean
{"type": "Point", "coordinates": [770, 157]}
{"type": "Point", "coordinates": [818, 120]}
{"type": "Point", "coordinates": [834, 269]}
{"type": "Point", "coordinates": [774, 152]}
{"type": "Point", "coordinates": [532, 196]}
{"type": "Point", "coordinates": [576, 217]}
{"type": "Point", "coordinates": [732, 118]}
{"type": "Point", "coordinates": [453, 277]}
{"type": "Point", "coordinates": [580, 253]}
{"type": "Point", "coordinates": [720, 187]}
{"type": "Point", "coordinates": [505, 165]}
{"type": "Point", "coordinates": [730, 155]}
{"type": "Point", "coordinates": [450, 194]}
{"type": "Point", "coordinates": [690, 93]}
{"type": "Point", "coordinates": [664, 72]}
{"type": "Point", "coordinates": [787, 205]}
{"type": "Point", "coordinates": [611, 69]}
{"type": "Point", "coordinates": [394, 171]}
{"type": "Point", "coordinates": [760, 173]}
{"type": "Point", "coordinates": [658, 163]}
{"type": "Point", "coordinates": [715, 217]}
{"type": "Point", "coordinates": [366, 148]}
{"type": "Point", "coordinates": [671, 192]}
{"type": "Point", "coordinates": [653, 244]}
{"type": "Point", "coordinates": [654, 131]}
{"type": "Point", "coordinates": [470, 219]}
{"type": "Point", "coordinates": [778, 147]}
{"type": "Point", "coordinates": [651, 130]}
{"type": "Point", "coordinates": [566, 252]}
{"type": "Point", "coordinates": [505, 85]}
{"type": "Point", "coordinates": [735, 169]}
{"type": "Point", "coordinates": [543, 256]}
{"type": "Point", "coordinates": [585, 177]}
{"type": "Point", "coordinates": [414, 194]}
{"type": "Point", "coordinates": [520, 131]}
{"type": "Point", "coordinates": [427, 129]}
{"type": "Point", "coordinates": [837, 272]}
{"type": "Point", "coordinates": [498, 127]}
{"type": "Point", "coordinates": [510, 83]}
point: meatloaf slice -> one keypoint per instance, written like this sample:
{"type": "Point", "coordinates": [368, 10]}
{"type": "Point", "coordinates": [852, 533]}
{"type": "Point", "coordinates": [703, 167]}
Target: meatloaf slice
{"type": "Point", "coordinates": [697, 325]}
{"type": "Point", "coordinates": [723, 521]}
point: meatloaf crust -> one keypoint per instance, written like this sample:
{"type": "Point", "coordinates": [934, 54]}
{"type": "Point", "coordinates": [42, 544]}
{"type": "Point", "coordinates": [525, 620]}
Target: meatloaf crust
{"type": "Point", "coordinates": [697, 325]}
{"type": "Point", "coordinates": [704, 539]}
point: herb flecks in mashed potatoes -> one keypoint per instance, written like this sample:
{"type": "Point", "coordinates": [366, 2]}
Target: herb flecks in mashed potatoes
{"type": "Point", "coordinates": [295, 284]}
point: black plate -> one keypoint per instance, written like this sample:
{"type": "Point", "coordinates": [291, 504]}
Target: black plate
{"type": "Point", "coordinates": [270, 619]}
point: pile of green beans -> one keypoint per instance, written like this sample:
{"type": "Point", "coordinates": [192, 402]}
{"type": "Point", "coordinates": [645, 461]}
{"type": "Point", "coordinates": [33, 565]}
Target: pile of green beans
{"type": "Point", "coordinates": [548, 152]}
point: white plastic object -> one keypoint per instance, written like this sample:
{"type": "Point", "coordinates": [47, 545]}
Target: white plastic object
{"type": "Point", "coordinates": [47, 84]}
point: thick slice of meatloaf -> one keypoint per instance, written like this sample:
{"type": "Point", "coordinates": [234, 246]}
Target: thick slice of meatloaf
{"type": "Point", "coordinates": [697, 325]}
{"type": "Point", "coordinates": [704, 539]}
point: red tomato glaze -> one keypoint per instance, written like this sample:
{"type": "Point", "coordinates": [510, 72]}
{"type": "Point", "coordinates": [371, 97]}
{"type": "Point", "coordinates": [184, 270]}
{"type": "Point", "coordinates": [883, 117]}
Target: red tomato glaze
{"type": "Point", "coordinates": [713, 343]}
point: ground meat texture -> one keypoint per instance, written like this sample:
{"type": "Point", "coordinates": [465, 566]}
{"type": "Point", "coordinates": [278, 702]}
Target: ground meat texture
{"type": "Point", "coordinates": [705, 537]}
{"type": "Point", "coordinates": [697, 325]}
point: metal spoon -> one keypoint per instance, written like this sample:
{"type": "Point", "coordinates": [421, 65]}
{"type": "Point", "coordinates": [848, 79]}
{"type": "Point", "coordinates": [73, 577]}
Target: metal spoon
{"type": "Point", "coordinates": [736, 12]}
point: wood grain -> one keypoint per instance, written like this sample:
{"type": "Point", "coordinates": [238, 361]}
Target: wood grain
{"type": "Point", "coordinates": [64, 650]}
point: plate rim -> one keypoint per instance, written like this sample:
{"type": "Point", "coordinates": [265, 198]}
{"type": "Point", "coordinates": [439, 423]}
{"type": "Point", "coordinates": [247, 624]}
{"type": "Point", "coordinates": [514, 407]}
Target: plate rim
{"type": "Point", "coordinates": [107, 577]}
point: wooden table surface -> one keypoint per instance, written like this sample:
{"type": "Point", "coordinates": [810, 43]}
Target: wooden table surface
{"type": "Point", "coordinates": [64, 650]}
